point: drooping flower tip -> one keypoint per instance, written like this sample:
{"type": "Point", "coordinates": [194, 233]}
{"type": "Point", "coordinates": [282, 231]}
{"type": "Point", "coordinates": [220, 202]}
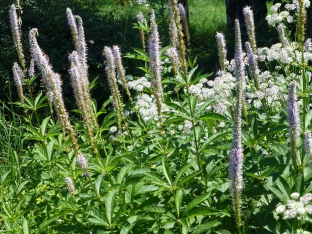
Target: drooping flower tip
{"type": "Point", "coordinates": [73, 26]}
{"type": "Point", "coordinates": [184, 19]}
{"type": "Point", "coordinates": [13, 18]}
{"type": "Point", "coordinates": [154, 51]}
{"type": "Point", "coordinates": [71, 18]}
{"type": "Point", "coordinates": [15, 23]}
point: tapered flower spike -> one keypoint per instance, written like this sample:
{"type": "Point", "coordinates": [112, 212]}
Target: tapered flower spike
{"type": "Point", "coordinates": [15, 27]}
{"type": "Point", "coordinates": [176, 34]}
{"type": "Point", "coordinates": [236, 156]}
{"type": "Point", "coordinates": [121, 70]}
{"type": "Point", "coordinates": [112, 81]}
{"type": "Point", "coordinates": [281, 32]}
{"type": "Point", "coordinates": [249, 20]}
{"type": "Point", "coordinates": [173, 54]}
{"type": "Point", "coordinates": [184, 22]}
{"type": "Point", "coordinates": [301, 28]}
{"type": "Point", "coordinates": [53, 82]}
{"type": "Point", "coordinates": [31, 70]}
{"type": "Point", "coordinates": [252, 65]}
{"type": "Point", "coordinates": [308, 146]}
{"type": "Point", "coordinates": [77, 79]}
{"type": "Point", "coordinates": [239, 64]}
{"type": "Point", "coordinates": [80, 64]}
{"type": "Point", "coordinates": [221, 50]}
{"type": "Point", "coordinates": [73, 26]}
{"type": "Point", "coordinates": [155, 66]}
{"type": "Point", "coordinates": [142, 20]}
{"type": "Point", "coordinates": [70, 185]}
{"type": "Point", "coordinates": [18, 76]}
{"type": "Point", "coordinates": [82, 46]}
{"type": "Point", "coordinates": [293, 121]}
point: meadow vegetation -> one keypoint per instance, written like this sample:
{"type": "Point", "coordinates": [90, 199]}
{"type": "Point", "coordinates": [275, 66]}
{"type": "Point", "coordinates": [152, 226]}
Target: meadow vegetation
{"type": "Point", "coordinates": [172, 141]}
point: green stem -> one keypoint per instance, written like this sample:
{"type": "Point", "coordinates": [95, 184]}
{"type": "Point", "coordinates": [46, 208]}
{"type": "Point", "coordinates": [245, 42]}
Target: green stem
{"type": "Point", "coordinates": [237, 203]}
{"type": "Point", "coordinates": [194, 134]}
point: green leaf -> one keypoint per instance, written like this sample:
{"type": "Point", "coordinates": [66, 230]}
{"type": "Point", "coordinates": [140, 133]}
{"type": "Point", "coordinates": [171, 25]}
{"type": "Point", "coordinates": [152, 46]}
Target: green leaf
{"type": "Point", "coordinates": [98, 218]}
{"type": "Point", "coordinates": [178, 201]}
{"type": "Point", "coordinates": [121, 175]}
{"type": "Point", "coordinates": [147, 188]}
{"type": "Point", "coordinates": [21, 186]}
{"type": "Point", "coordinates": [177, 108]}
{"type": "Point", "coordinates": [213, 116]}
{"type": "Point", "coordinates": [39, 100]}
{"type": "Point", "coordinates": [98, 183]}
{"type": "Point", "coordinates": [166, 171]}
{"type": "Point", "coordinates": [195, 202]}
{"type": "Point", "coordinates": [200, 76]}
{"type": "Point", "coordinates": [223, 231]}
{"type": "Point", "coordinates": [154, 209]}
{"type": "Point", "coordinates": [50, 148]}
{"type": "Point", "coordinates": [213, 138]}
{"type": "Point", "coordinates": [185, 226]}
{"type": "Point", "coordinates": [45, 223]}
{"type": "Point", "coordinates": [69, 205]}
{"type": "Point", "coordinates": [44, 125]}
{"type": "Point", "coordinates": [204, 211]}
{"type": "Point", "coordinates": [284, 187]}
{"type": "Point", "coordinates": [190, 74]}
{"type": "Point", "coordinates": [187, 178]}
{"type": "Point", "coordinates": [26, 228]}
{"type": "Point", "coordinates": [277, 193]}
{"type": "Point", "coordinates": [206, 226]}
{"type": "Point", "coordinates": [279, 148]}
{"type": "Point", "coordinates": [110, 205]}
{"type": "Point", "coordinates": [155, 179]}
{"type": "Point", "coordinates": [98, 221]}
{"type": "Point", "coordinates": [181, 172]}
{"type": "Point", "coordinates": [308, 119]}
{"type": "Point", "coordinates": [32, 134]}
{"type": "Point", "coordinates": [129, 193]}
{"type": "Point", "coordinates": [4, 176]}
{"type": "Point", "coordinates": [203, 107]}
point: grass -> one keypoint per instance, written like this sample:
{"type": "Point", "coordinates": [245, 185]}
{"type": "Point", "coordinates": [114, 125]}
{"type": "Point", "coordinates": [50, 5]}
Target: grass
{"type": "Point", "coordinates": [206, 19]}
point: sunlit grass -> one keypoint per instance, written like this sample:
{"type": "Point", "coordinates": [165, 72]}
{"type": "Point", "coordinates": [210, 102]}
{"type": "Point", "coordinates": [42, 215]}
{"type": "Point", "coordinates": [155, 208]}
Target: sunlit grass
{"type": "Point", "coordinates": [206, 18]}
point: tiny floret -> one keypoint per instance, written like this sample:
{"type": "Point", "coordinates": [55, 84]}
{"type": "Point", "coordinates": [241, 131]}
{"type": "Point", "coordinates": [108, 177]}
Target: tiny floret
{"type": "Point", "coordinates": [280, 209]}
{"type": "Point", "coordinates": [295, 196]}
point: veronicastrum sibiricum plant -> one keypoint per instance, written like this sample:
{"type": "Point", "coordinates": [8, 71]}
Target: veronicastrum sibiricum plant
{"type": "Point", "coordinates": [178, 151]}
